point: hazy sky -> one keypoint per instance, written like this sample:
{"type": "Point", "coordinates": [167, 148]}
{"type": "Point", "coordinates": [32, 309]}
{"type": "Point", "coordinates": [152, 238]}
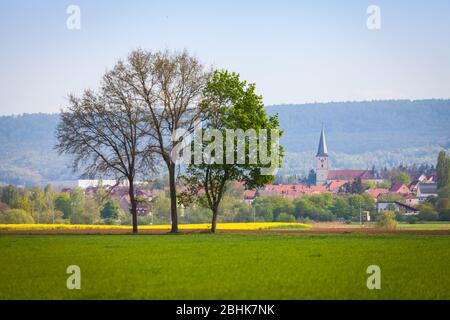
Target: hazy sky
{"type": "Point", "coordinates": [295, 51]}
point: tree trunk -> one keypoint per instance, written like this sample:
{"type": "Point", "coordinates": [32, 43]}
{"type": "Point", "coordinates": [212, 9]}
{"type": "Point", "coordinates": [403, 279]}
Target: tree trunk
{"type": "Point", "coordinates": [214, 219]}
{"type": "Point", "coordinates": [133, 208]}
{"type": "Point", "coordinates": [173, 198]}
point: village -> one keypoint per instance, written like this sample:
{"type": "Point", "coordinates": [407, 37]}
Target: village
{"type": "Point", "coordinates": [386, 195]}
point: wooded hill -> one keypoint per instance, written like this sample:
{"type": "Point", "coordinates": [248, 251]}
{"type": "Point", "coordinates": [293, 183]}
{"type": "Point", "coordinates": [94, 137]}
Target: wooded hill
{"type": "Point", "coordinates": [359, 135]}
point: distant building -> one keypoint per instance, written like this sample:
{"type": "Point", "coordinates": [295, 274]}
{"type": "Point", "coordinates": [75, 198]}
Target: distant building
{"type": "Point", "coordinates": [95, 183]}
{"type": "Point", "coordinates": [376, 192]}
{"type": "Point", "coordinates": [396, 206]}
{"type": "Point", "coordinates": [336, 185]}
{"type": "Point", "coordinates": [426, 190]}
{"type": "Point", "coordinates": [323, 173]}
{"type": "Point", "coordinates": [91, 183]}
{"type": "Point", "coordinates": [400, 188]}
{"type": "Point", "coordinates": [411, 200]}
{"type": "Point", "coordinates": [421, 179]}
{"type": "Point", "coordinates": [322, 161]}
{"type": "Point", "coordinates": [249, 196]}
{"type": "Point", "coordinates": [290, 190]}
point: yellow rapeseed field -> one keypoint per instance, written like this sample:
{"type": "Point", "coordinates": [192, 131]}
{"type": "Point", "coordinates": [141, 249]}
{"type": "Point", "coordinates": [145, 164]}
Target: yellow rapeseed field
{"type": "Point", "coordinates": [220, 226]}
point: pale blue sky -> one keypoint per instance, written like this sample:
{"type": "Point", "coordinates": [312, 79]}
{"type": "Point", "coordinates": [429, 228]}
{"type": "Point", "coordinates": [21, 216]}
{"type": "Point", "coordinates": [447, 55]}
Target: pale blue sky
{"type": "Point", "coordinates": [295, 51]}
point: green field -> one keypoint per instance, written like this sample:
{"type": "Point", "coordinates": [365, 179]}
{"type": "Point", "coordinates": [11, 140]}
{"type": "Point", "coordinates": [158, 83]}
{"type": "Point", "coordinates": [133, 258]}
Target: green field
{"type": "Point", "coordinates": [408, 226]}
{"type": "Point", "coordinates": [225, 266]}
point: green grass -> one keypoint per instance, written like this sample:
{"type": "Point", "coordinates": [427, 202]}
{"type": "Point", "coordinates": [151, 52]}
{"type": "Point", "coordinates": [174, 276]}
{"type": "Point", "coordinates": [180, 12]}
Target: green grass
{"type": "Point", "coordinates": [425, 226]}
{"type": "Point", "coordinates": [417, 226]}
{"type": "Point", "coordinates": [225, 266]}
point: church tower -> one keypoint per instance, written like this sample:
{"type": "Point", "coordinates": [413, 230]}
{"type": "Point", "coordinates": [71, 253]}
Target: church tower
{"type": "Point", "coordinates": [322, 162]}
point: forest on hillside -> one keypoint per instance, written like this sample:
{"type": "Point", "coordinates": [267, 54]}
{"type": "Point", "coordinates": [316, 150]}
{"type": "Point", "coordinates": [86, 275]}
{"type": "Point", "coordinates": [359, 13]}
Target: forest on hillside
{"type": "Point", "coordinates": [359, 135]}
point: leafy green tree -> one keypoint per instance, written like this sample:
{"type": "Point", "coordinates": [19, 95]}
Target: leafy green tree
{"type": "Point", "coordinates": [303, 207]}
{"type": "Point", "coordinates": [281, 205]}
{"type": "Point", "coordinates": [228, 104]}
{"type": "Point", "coordinates": [245, 214]}
{"type": "Point", "coordinates": [263, 209]}
{"type": "Point", "coordinates": [63, 203]}
{"type": "Point", "coordinates": [10, 194]}
{"type": "Point", "coordinates": [161, 208]}
{"type": "Point", "coordinates": [23, 202]}
{"type": "Point", "coordinates": [285, 217]}
{"type": "Point", "coordinates": [38, 203]}
{"type": "Point", "coordinates": [324, 201]}
{"type": "Point", "coordinates": [50, 196]}
{"type": "Point", "coordinates": [443, 170]}
{"type": "Point", "coordinates": [369, 185]}
{"type": "Point", "coordinates": [13, 216]}
{"type": "Point", "coordinates": [92, 210]}
{"type": "Point", "coordinates": [341, 208]}
{"type": "Point", "coordinates": [77, 203]}
{"type": "Point", "coordinates": [444, 215]}
{"type": "Point", "coordinates": [356, 186]}
{"type": "Point", "coordinates": [427, 212]}
{"type": "Point", "coordinates": [400, 177]}
{"type": "Point", "coordinates": [386, 184]}
{"type": "Point", "coordinates": [444, 192]}
{"type": "Point", "coordinates": [311, 180]}
{"type": "Point", "coordinates": [110, 210]}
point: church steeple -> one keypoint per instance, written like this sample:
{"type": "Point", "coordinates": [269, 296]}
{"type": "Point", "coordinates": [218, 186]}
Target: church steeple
{"type": "Point", "coordinates": [322, 151]}
{"type": "Point", "coordinates": [322, 164]}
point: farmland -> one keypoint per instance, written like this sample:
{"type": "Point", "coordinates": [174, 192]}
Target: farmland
{"type": "Point", "coordinates": [225, 266]}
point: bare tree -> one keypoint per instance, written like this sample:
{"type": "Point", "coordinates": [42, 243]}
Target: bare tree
{"type": "Point", "coordinates": [169, 88]}
{"type": "Point", "coordinates": [105, 133]}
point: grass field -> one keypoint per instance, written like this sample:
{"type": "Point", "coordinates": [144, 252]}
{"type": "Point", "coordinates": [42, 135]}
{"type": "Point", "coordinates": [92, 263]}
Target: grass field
{"type": "Point", "coordinates": [400, 226]}
{"type": "Point", "coordinates": [225, 266]}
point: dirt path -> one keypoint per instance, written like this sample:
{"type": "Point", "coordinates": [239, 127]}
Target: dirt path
{"type": "Point", "coordinates": [193, 231]}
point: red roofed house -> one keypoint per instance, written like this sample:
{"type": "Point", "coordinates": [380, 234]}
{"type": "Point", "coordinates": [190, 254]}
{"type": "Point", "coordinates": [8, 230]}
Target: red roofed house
{"type": "Point", "coordinates": [249, 196]}
{"type": "Point", "coordinates": [375, 193]}
{"type": "Point", "coordinates": [335, 185]}
{"type": "Point", "coordinates": [400, 188]}
{"type": "Point", "coordinates": [292, 190]}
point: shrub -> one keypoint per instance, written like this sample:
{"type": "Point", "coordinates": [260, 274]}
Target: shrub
{"type": "Point", "coordinates": [444, 215]}
{"type": "Point", "coordinates": [285, 217]}
{"type": "Point", "coordinates": [412, 219]}
{"type": "Point", "coordinates": [110, 210]}
{"type": "Point", "coordinates": [428, 216]}
{"type": "Point", "coordinates": [387, 220]}
{"type": "Point", "coordinates": [16, 216]}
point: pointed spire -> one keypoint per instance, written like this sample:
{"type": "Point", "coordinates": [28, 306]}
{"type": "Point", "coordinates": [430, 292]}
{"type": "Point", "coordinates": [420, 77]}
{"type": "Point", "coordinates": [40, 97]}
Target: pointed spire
{"type": "Point", "coordinates": [322, 151]}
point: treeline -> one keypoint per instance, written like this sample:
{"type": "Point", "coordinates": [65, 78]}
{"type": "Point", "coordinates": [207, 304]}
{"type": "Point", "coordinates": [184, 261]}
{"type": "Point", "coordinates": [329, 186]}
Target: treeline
{"type": "Point", "coordinates": [46, 205]}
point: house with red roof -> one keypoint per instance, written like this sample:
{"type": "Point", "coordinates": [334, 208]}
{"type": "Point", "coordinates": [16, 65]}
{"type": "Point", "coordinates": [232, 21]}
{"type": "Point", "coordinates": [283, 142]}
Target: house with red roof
{"type": "Point", "coordinates": [400, 188]}
{"type": "Point", "coordinates": [336, 185]}
{"type": "Point", "coordinates": [376, 192]}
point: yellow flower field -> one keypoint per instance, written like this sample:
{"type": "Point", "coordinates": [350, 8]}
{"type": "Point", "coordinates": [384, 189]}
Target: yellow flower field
{"type": "Point", "coordinates": [220, 226]}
